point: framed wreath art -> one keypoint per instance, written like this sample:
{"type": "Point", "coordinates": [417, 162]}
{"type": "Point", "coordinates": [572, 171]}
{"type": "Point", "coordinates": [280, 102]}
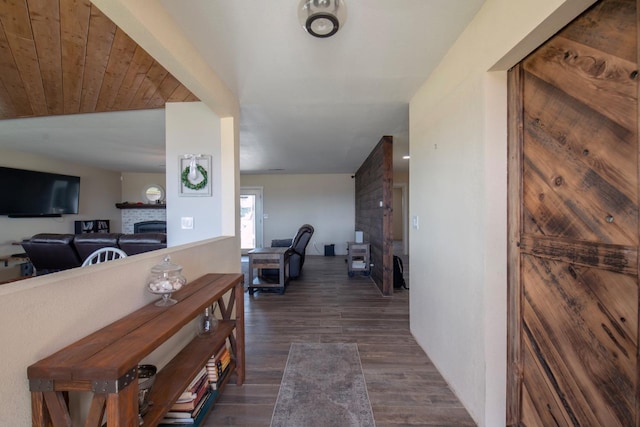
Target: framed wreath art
{"type": "Point", "coordinates": [195, 175]}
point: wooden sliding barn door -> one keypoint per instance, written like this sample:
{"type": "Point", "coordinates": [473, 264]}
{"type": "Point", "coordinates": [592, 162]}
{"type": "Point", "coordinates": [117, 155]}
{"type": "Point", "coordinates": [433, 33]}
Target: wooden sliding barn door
{"type": "Point", "coordinates": [573, 225]}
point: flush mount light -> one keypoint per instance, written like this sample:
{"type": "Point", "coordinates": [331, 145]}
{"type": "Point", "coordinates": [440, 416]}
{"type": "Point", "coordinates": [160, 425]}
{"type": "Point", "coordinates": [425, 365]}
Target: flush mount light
{"type": "Point", "coordinates": [322, 18]}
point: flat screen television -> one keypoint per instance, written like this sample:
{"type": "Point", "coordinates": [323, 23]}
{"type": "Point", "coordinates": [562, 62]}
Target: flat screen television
{"type": "Point", "coordinates": [25, 193]}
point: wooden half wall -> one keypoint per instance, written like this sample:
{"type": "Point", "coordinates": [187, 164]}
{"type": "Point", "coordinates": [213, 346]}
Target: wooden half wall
{"type": "Point", "coordinates": [374, 206]}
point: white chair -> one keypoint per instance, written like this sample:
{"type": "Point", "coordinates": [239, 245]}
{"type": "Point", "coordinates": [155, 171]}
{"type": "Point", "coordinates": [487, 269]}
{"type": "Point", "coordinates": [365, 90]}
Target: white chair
{"type": "Point", "coordinates": [104, 254]}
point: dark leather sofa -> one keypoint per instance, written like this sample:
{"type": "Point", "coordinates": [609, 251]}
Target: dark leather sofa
{"type": "Point", "coordinates": [56, 252]}
{"type": "Point", "coordinates": [143, 242]}
{"type": "Point", "coordinates": [86, 244]}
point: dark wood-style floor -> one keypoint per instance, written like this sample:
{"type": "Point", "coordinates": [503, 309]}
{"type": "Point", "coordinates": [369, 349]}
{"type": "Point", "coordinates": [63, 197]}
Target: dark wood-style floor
{"type": "Point", "coordinates": [325, 305]}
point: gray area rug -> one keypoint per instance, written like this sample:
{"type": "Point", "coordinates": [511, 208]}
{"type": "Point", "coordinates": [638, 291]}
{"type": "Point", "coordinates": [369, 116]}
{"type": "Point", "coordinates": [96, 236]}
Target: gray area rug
{"type": "Point", "coordinates": [323, 386]}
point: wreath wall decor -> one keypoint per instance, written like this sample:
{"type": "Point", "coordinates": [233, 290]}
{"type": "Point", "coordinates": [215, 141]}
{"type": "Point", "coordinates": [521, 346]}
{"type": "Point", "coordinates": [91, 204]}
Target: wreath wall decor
{"type": "Point", "coordinates": [198, 185]}
{"type": "Point", "coordinates": [195, 174]}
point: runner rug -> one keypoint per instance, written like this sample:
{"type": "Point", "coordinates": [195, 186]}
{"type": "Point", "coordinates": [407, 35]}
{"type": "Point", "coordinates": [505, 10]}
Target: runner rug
{"type": "Point", "coordinates": [323, 386]}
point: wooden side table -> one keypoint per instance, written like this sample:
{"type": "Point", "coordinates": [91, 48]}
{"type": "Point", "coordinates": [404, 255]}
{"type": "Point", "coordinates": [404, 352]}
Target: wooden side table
{"type": "Point", "coordinates": [13, 258]}
{"type": "Point", "coordinates": [359, 258]}
{"type": "Point", "coordinates": [268, 258]}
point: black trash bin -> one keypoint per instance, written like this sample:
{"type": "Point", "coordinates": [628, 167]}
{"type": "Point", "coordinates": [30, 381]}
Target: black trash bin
{"type": "Point", "coordinates": [329, 250]}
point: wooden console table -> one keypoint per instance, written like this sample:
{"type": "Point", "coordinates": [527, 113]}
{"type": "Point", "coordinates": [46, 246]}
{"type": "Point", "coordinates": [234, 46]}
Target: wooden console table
{"type": "Point", "coordinates": [106, 361]}
{"type": "Point", "coordinates": [268, 258]}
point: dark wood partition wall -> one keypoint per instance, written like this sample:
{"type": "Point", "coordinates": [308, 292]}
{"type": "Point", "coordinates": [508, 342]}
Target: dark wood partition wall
{"type": "Point", "coordinates": [374, 198]}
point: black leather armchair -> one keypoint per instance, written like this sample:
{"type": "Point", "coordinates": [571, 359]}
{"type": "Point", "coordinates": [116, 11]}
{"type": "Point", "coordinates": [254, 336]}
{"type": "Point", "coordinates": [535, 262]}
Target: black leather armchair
{"type": "Point", "coordinates": [296, 252]}
{"type": "Point", "coordinates": [298, 249]}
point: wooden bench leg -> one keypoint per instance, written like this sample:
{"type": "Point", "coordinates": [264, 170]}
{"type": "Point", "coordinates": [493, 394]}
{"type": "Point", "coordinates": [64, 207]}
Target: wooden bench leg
{"type": "Point", "coordinates": [96, 412]}
{"type": "Point", "coordinates": [57, 407]}
{"type": "Point", "coordinates": [122, 407]}
{"type": "Point", "coordinates": [39, 414]}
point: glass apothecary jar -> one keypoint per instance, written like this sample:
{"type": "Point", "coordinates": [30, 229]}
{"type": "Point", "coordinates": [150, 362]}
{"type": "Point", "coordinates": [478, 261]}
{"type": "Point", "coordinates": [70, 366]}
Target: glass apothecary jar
{"type": "Point", "coordinates": [166, 278]}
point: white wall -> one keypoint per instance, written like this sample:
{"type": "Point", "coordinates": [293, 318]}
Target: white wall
{"type": "Point", "coordinates": [458, 191]}
{"type": "Point", "coordinates": [192, 128]}
{"type": "Point", "coordinates": [99, 192]}
{"type": "Point", "coordinates": [134, 184]}
{"type": "Point", "coordinates": [327, 202]}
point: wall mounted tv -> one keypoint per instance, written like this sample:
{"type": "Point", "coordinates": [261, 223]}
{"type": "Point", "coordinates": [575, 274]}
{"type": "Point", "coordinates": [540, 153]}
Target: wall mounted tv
{"type": "Point", "coordinates": [29, 194]}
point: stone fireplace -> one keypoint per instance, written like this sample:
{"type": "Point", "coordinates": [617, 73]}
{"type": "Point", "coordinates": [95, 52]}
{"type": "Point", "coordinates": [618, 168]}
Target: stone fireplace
{"type": "Point", "coordinates": [134, 214]}
{"type": "Point", "coordinates": [154, 226]}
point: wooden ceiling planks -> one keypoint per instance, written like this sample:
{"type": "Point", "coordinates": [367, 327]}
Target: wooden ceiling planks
{"type": "Point", "coordinates": [13, 18]}
{"type": "Point", "coordinates": [67, 57]}
{"type": "Point", "coordinates": [74, 26]}
{"type": "Point", "coordinates": [100, 39]}
{"type": "Point", "coordinates": [138, 69]}
{"type": "Point", "coordinates": [45, 24]}
{"type": "Point", "coordinates": [149, 85]}
{"type": "Point", "coordinates": [14, 99]}
{"type": "Point", "coordinates": [181, 93]}
{"type": "Point", "coordinates": [122, 51]}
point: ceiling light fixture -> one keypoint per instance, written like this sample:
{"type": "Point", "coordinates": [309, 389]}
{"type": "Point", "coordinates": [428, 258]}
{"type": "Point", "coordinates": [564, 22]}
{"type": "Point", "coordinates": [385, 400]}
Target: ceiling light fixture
{"type": "Point", "coordinates": [322, 18]}
{"type": "Point", "coordinates": [406, 157]}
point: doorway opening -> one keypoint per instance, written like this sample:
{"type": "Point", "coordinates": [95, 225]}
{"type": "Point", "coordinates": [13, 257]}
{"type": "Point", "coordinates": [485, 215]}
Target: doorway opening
{"type": "Point", "coordinates": [399, 224]}
{"type": "Point", "coordinates": [250, 218]}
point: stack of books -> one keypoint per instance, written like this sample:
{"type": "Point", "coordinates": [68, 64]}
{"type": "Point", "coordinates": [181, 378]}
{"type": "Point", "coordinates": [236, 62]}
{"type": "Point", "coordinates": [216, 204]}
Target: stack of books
{"type": "Point", "coordinates": [358, 264]}
{"type": "Point", "coordinates": [218, 366]}
{"type": "Point", "coordinates": [193, 404]}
